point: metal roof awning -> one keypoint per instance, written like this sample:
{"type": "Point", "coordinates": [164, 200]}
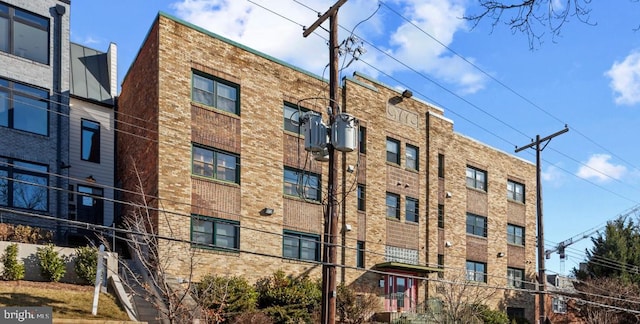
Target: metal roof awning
{"type": "Point", "coordinates": [406, 267]}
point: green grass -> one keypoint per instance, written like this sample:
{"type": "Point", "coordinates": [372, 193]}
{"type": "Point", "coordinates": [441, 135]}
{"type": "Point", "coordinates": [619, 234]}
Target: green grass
{"type": "Point", "coordinates": [67, 301]}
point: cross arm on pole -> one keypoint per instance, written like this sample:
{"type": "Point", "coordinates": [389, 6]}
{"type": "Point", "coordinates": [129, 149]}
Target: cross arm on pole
{"type": "Point", "coordinates": [566, 129]}
{"type": "Point", "coordinates": [322, 18]}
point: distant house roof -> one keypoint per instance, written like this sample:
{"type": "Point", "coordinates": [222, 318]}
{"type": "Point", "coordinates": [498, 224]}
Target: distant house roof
{"type": "Point", "coordinates": [90, 74]}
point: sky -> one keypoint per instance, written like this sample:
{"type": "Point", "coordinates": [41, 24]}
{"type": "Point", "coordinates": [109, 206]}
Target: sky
{"type": "Point", "coordinates": [489, 81]}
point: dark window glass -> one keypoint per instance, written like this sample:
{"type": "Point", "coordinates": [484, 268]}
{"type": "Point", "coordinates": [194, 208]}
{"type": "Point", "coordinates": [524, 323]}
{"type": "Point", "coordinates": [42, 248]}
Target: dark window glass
{"type": "Point", "coordinates": [90, 207]}
{"type": "Point", "coordinates": [393, 151]}
{"type": "Point", "coordinates": [24, 185]}
{"type": "Point", "coordinates": [362, 198]}
{"type": "Point", "coordinates": [515, 277]}
{"type": "Point", "coordinates": [90, 141]}
{"type": "Point", "coordinates": [360, 254]}
{"type": "Point", "coordinates": [411, 157]}
{"type": "Point", "coordinates": [441, 265]}
{"type": "Point", "coordinates": [24, 34]}
{"type": "Point", "coordinates": [476, 225]}
{"type": "Point", "coordinates": [441, 216]}
{"type": "Point", "coordinates": [515, 191]}
{"type": "Point", "coordinates": [215, 164]}
{"type": "Point", "coordinates": [441, 165]}
{"type": "Point", "coordinates": [208, 232]}
{"type": "Point", "coordinates": [23, 107]}
{"type": "Point", "coordinates": [301, 184]}
{"type": "Point", "coordinates": [476, 271]}
{"type": "Point", "coordinates": [515, 234]}
{"type": "Point", "coordinates": [362, 140]}
{"type": "Point", "coordinates": [412, 210]}
{"type": "Point", "coordinates": [393, 205]}
{"type": "Point", "coordinates": [476, 178]}
{"type": "Point", "coordinates": [292, 115]}
{"type": "Point", "coordinates": [301, 246]}
{"type": "Point", "coordinates": [215, 93]}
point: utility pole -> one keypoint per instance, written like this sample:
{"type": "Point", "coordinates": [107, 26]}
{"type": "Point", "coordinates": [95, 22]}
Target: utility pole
{"type": "Point", "coordinates": [330, 255]}
{"type": "Point", "coordinates": [541, 253]}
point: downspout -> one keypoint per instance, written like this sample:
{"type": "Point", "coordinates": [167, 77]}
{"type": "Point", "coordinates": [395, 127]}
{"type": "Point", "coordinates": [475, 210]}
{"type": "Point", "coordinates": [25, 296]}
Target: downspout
{"type": "Point", "coordinates": [57, 88]}
{"type": "Point", "coordinates": [428, 219]}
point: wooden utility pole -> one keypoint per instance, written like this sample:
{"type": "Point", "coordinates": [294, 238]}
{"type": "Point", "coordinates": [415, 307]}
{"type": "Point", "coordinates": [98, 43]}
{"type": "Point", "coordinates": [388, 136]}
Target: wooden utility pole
{"type": "Point", "coordinates": [542, 280]}
{"type": "Point", "coordinates": [330, 255]}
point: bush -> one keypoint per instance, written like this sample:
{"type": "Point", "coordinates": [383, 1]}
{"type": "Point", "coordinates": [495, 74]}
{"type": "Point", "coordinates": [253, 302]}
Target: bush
{"type": "Point", "coordinates": [86, 263]}
{"type": "Point", "coordinates": [52, 265]}
{"type": "Point", "coordinates": [288, 300]}
{"type": "Point", "coordinates": [28, 234]}
{"type": "Point", "coordinates": [13, 270]}
{"type": "Point", "coordinates": [490, 316]}
{"type": "Point", "coordinates": [224, 298]}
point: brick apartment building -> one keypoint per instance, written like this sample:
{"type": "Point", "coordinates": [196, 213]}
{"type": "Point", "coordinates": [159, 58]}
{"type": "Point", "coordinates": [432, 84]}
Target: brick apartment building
{"type": "Point", "coordinates": [206, 132]}
{"type": "Point", "coordinates": [34, 111]}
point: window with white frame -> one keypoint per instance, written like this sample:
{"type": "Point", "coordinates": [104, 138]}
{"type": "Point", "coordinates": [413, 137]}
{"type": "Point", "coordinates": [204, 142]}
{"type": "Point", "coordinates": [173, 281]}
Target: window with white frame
{"type": "Point", "coordinates": [559, 305]}
{"type": "Point", "coordinates": [411, 157]}
{"type": "Point", "coordinates": [292, 115]}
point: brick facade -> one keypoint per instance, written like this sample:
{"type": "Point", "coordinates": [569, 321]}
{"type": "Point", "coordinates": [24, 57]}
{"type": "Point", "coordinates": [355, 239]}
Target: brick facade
{"type": "Point", "coordinates": [157, 91]}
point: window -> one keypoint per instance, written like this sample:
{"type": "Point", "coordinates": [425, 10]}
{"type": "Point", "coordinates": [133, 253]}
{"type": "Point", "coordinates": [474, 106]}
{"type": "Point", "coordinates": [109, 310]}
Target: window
{"type": "Point", "coordinates": [476, 225]}
{"type": "Point", "coordinates": [476, 178]}
{"type": "Point", "coordinates": [215, 93]}
{"type": "Point", "coordinates": [301, 184]}
{"type": "Point", "coordinates": [412, 210]}
{"type": "Point", "coordinates": [208, 232]}
{"type": "Point", "coordinates": [441, 265]}
{"type": "Point", "coordinates": [301, 246]}
{"type": "Point", "coordinates": [515, 234]}
{"type": "Point", "coordinates": [515, 191]}
{"type": "Point", "coordinates": [411, 157]}
{"type": "Point", "coordinates": [24, 34]}
{"type": "Point", "coordinates": [360, 254]}
{"type": "Point", "coordinates": [90, 207]}
{"type": "Point", "coordinates": [393, 205]}
{"type": "Point", "coordinates": [441, 216]}
{"type": "Point", "coordinates": [559, 305]}
{"type": "Point", "coordinates": [441, 165]}
{"type": "Point", "coordinates": [362, 198]}
{"type": "Point", "coordinates": [393, 151]}
{"type": "Point", "coordinates": [23, 107]}
{"type": "Point", "coordinates": [515, 277]}
{"type": "Point", "coordinates": [24, 185]}
{"type": "Point", "coordinates": [90, 141]}
{"type": "Point", "coordinates": [515, 313]}
{"type": "Point", "coordinates": [292, 117]}
{"type": "Point", "coordinates": [476, 271]}
{"type": "Point", "coordinates": [362, 139]}
{"type": "Point", "coordinates": [215, 164]}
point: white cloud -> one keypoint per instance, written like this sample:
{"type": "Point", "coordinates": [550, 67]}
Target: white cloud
{"type": "Point", "coordinates": [552, 175]}
{"type": "Point", "coordinates": [625, 79]}
{"type": "Point", "coordinates": [600, 169]}
{"type": "Point", "coordinates": [274, 34]}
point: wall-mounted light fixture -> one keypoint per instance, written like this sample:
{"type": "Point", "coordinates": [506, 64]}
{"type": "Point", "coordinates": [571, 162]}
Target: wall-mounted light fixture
{"type": "Point", "coordinates": [266, 211]}
{"type": "Point", "coordinates": [91, 179]}
{"type": "Point", "coordinates": [448, 244]}
{"type": "Point", "coordinates": [500, 254]}
{"type": "Point", "coordinates": [447, 194]}
{"type": "Point", "coordinates": [407, 94]}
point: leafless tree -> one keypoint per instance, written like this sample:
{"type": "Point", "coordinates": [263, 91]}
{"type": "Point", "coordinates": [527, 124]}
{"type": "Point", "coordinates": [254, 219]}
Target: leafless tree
{"type": "Point", "coordinates": [607, 300]}
{"type": "Point", "coordinates": [147, 275]}
{"type": "Point", "coordinates": [533, 17]}
{"type": "Point", "coordinates": [460, 299]}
